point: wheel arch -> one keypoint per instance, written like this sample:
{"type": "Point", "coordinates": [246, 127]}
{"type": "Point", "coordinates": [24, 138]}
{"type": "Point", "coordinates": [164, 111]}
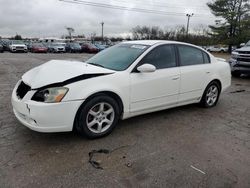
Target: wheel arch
{"type": "Point", "coordinates": [112, 94]}
{"type": "Point", "coordinates": [214, 80]}
{"type": "Point", "coordinates": [218, 81]}
{"type": "Point", "coordinates": [204, 92]}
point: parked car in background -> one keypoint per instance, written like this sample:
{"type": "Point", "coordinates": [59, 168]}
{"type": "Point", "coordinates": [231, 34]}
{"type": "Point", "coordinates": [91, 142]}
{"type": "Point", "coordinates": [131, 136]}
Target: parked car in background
{"type": "Point", "coordinates": [17, 46]}
{"type": "Point", "coordinates": [1, 48]}
{"type": "Point", "coordinates": [217, 49]}
{"type": "Point", "coordinates": [38, 48]}
{"type": "Point", "coordinates": [5, 44]}
{"type": "Point", "coordinates": [29, 46]}
{"type": "Point", "coordinates": [56, 47]}
{"type": "Point", "coordinates": [126, 80]}
{"type": "Point", "coordinates": [89, 48]}
{"type": "Point", "coordinates": [73, 47]}
{"type": "Point", "coordinates": [100, 47]}
{"type": "Point", "coordinates": [240, 60]}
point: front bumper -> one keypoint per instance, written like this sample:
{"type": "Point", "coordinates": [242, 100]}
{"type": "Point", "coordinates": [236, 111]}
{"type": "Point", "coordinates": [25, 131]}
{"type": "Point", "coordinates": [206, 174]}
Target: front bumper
{"type": "Point", "coordinates": [239, 66]}
{"type": "Point", "coordinates": [19, 50]}
{"type": "Point", "coordinates": [58, 50]}
{"type": "Point", "coordinates": [40, 50]}
{"type": "Point", "coordinates": [76, 50]}
{"type": "Point", "coordinates": [44, 117]}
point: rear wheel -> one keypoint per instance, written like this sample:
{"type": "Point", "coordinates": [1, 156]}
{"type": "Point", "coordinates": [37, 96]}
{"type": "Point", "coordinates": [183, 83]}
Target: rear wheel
{"type": "Point", "coordinates": [97, 117]}
{"type": "Point", "coordinates": [211, 95]}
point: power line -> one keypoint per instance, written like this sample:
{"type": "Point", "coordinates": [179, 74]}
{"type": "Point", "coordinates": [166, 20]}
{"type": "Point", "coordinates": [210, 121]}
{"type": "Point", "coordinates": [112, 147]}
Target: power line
{"type": "Point", "coordinates": [162, 5]}
{"type": "Point", "coordinates": [121, 7]}
{"type": "Point", "coordinates": [160, 2]}
{"type": "Point", "coordinates": [103, 5]}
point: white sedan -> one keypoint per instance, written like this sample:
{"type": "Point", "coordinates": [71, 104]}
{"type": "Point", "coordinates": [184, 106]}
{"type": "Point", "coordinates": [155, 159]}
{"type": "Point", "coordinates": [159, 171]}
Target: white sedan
{"type": "Point", "coordinates": [123, 81]}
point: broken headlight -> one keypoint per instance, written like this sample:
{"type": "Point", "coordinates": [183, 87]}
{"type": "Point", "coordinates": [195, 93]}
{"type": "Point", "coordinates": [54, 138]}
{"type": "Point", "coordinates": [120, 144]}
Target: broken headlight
{"type": "Point", "coordinates": [234, 55]}
{"type": "Point", "coordinates": [50, 95]}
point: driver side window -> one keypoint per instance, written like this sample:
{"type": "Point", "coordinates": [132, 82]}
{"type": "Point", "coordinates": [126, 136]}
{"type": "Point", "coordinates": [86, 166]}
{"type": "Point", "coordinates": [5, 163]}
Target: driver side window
{"type": "Point", "coordinates": [161, 57]}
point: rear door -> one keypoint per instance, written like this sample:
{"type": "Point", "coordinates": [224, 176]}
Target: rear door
{"type": "Point", "coordinates": [159, 88]}
{"type": "Point", "coordinates": [195, 70]}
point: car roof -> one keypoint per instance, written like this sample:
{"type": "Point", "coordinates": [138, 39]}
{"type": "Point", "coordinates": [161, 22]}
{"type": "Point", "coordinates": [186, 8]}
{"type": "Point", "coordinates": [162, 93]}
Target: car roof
{"type": "Point", "coordinates": [152, 42]}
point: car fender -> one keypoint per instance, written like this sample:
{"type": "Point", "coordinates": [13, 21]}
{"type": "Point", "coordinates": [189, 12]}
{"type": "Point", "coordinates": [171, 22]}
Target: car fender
{"type": "Point", "coordinates": [117, 83]}
{"type": "Point", "coordinates": [221, 72]}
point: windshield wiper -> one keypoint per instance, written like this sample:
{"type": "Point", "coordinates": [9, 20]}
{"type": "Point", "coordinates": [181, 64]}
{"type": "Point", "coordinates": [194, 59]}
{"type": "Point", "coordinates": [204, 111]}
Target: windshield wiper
{"type": "Point", "coordinates": [96, 65]}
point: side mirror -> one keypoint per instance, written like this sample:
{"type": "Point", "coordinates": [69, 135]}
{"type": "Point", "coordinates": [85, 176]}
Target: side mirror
{"type": "Point", "coordinates": [146, 68]}
{"type": "Point", "coordinates": [242, 44]}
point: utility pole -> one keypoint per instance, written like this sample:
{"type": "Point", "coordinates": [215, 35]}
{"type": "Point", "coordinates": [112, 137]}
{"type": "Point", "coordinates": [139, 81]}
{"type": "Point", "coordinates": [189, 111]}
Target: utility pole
{"type": "Point", "coordinates": [70, 31]}
{"type": "Point", "coordinates": [189, 16]}
{"type": "Point", "coordinates": [102, 23]}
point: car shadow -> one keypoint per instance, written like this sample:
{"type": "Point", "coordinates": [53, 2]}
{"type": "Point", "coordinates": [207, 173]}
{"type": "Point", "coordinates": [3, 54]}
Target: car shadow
{"type": "Point", "coordinates": [131, 123]}
{"type": "Point", "coordinates": [127, 125]}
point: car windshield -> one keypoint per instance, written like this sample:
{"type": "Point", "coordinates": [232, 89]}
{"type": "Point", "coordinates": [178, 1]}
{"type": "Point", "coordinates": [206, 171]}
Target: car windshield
{"type": "Point", "coordinates": [118, 57]}
{"type": "Point", "coordinates": [248, 43]}
{"type": "Point", "coordinates": [57, 44]}
{"type": "Point", "coordinates": [38, 45]}
{"type": "Point", "coordinates": [74, 45]}
{"type": "Point", "coordinates": [17, 42]}
{"type": "Point", "coordinates": [91, 45]}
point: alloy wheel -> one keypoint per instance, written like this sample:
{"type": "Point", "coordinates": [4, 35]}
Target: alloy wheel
{"type": "Point", "coordinates": [100, 117]}
{"type": "Point", "coordinates": [212, 95]}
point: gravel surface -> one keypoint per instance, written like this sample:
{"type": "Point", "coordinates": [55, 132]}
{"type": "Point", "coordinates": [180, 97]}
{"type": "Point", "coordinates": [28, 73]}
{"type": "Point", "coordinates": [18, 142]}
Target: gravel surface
{"type": "Point", "coordinates": [181, 147]}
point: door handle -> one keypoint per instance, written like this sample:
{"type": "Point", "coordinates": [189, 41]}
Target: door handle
{"type": "Point", "coordinates": [175, 78]}
{"type": "Point", "coordinates": [208, 72]}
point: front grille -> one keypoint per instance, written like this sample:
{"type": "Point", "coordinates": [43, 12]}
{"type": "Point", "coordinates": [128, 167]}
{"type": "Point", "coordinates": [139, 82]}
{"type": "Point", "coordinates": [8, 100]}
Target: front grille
{"type": "Point", "coordinates": [22, 90]}
{"type": "Point", "coordinates": [244, 52]}
{"type": "Point", "coordinates": [243, 59]}
{"type": "Point", "coordinates": [19, 48]}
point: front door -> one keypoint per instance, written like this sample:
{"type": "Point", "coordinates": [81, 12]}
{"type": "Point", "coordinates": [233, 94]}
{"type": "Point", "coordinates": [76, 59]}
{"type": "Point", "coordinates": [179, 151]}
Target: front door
{"type": "Point", "coordinates": [149, 91]}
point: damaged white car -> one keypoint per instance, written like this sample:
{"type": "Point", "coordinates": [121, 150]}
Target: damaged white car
{"type": "Point", "coordinates": [126, 80]}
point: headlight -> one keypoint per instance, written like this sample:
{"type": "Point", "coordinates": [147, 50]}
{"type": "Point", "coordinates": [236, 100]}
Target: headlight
{"type": "Point", "coordinates": [50, 95]}
{"type": "Point", "coordinates": [234, 55]}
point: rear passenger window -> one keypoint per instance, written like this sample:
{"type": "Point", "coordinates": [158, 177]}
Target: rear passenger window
{"type": "Point", "coordinates": [190, 55]}
{"type": "Point", "coordinates": [206, 57]}
{"type": "Point", "coordinates": [161, 57]}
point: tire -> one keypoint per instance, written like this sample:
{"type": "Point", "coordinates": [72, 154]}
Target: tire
{"type": "Point", "coordinates": [93, 122]}
{"type": "Point", "coordinates": [211, 95]}
{"type": "Point", "coordinates": [235, 74]}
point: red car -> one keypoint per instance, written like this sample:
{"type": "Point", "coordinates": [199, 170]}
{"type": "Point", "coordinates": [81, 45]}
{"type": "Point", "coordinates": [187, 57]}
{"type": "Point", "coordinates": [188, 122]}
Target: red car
{"type": "Point", "coordinates": [38, 48]}
{"type": "Point", "coordinates": [89, 48]}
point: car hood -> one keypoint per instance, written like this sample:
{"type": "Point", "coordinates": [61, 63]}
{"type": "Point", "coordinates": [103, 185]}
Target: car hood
{"type": "Point", "coordinates": [245, 48]}
{"type": "Point", "coordinates": [58, 71]}
{"type": "Point", "coordinates": [58, 47]}
{"type": "Point", "coordinates": [76, 48]}
{"type": "Point", "coordinates": [18, 45]}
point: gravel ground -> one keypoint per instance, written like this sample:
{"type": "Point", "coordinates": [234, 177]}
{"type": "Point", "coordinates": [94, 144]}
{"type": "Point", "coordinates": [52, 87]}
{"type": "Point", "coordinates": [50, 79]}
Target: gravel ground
{"type": "Point", "coordinates": [181, 147]}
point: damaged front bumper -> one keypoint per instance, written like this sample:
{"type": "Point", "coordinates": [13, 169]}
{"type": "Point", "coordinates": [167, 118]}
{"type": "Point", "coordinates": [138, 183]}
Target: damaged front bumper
{"type": "Point", "coordinates": [44, 117]}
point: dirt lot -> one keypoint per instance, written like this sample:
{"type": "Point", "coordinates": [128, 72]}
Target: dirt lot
{"type": "Point", "coordinates": [181, 147]}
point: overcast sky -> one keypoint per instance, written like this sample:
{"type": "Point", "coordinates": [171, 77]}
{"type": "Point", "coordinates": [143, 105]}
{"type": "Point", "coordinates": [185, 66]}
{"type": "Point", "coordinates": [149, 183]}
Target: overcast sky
{"type": "Point", "coordinates": [48, 18]}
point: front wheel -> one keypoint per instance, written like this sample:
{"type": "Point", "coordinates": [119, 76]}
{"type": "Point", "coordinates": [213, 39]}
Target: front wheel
{"type": "Point", "coordinates": [211, 95]}
{"type": "Point", "coordinates": [98, 117]}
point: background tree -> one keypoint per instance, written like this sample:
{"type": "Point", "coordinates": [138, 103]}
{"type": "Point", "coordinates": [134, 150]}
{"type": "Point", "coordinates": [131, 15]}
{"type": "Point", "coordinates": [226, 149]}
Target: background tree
{"type": "Point", "coordinates": [17, 37]}
{"type": "Point", "coordinates": [200, 36]}
{"type": "Point", "coordinates": [234, 17]}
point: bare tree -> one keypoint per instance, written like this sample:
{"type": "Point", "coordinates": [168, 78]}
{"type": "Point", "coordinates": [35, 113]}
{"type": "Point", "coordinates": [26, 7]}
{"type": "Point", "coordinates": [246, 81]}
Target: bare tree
{"type": "Point", "coordinates": [70, 31]}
